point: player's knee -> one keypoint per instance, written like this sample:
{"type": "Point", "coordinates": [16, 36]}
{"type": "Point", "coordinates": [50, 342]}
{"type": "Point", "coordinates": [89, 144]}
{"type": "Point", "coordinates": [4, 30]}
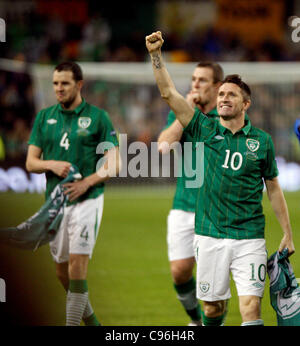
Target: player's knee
{"type": "Point", "coordinates": [78, 265]}
{"type": "Point", "coordinates": [63, 277]}
{"type": "Point", "coordinates": [250, 308]}
{"type": "Point", "coordinates": [214, 309]}
{"type": "Point", "coordinates": [182, 271]}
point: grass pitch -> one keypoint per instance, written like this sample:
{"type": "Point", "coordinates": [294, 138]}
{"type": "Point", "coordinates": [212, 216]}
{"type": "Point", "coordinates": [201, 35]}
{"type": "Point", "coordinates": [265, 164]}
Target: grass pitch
{"type": "Point", "coordinates": [129, 278]}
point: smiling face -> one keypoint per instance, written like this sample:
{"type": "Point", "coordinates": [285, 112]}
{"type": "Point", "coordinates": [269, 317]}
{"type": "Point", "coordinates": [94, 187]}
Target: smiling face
{"type": "Point", "coordinates": [66, 89]}
{"type": "Point", "coordinates": [203, 84]}
{"type": "Point", "coordinates": [231, 101]}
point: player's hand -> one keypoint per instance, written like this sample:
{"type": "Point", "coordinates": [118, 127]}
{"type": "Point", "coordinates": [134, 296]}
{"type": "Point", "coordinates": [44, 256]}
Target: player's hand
{"type": "Point", "coordinates": [76, 189]}
{"type": "Point", "coordinates": [154, 42]}
{"type": "Point", "coordinates": [288, 243]}
{"type": "Point", "coordinates": [193, 98]}
{"type": "Point", "coordinates": [60, 168]}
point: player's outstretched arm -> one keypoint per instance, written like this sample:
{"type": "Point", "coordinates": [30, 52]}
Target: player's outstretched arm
{"type": "Point", "coordinates": [183, 111]}
{"type": "Point", "coordinates": [35, 164]}
{"type": "Point", "coordinates": [279, 206]}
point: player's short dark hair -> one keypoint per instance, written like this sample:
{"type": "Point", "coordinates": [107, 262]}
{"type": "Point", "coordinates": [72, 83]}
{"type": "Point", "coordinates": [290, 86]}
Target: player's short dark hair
{"type": "Point", "coordinates": [71, 66]}
{"type": "Point", "coordinates": [218, 73]}
{"type": "Point", "coordinates": [237, 79]}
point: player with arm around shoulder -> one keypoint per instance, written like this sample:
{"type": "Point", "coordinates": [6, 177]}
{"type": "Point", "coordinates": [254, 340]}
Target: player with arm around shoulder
{"type": "Point", "coordinates": [229, 222]}
{"type": "Point", "coordinates": [65, 134]}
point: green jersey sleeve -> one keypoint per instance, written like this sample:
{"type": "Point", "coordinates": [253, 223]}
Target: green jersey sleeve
{"type": "Point", "coordinates": [171, 118]}
{"type": "Point", "coordinates": [270, 169]}
{"type": "Point", "coordinates": [36, 137]}
{"type": "Point", "coordinates": [197, 125]}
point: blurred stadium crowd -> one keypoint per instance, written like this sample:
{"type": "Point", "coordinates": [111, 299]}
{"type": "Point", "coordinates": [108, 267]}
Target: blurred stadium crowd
{"type": "Point", "coordinates": [48, 32]}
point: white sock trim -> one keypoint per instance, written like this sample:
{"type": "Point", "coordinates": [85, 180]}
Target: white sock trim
{"type": "Point", "coordinates": [253, 323]}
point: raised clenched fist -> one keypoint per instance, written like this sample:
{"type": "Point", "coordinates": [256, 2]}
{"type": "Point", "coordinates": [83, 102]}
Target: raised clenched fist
{"type": "Point", "coordinates": [154, 41]}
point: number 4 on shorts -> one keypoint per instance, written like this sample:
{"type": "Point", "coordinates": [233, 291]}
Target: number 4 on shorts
{"type": "Point", "coordinates": [84, 234]}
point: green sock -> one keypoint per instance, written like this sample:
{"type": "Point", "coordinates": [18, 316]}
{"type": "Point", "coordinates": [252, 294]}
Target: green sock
{"type": "Point", "coordinates": [77, 298]}
{"type": "Point", "coordinates": [91, 320]}
{"type": "Point", "coordinates": [78, 286]}
{"type": "Point", "coordinates": [212, 321]}
{"type": "Point", "coordinates": [186, 293]}
{"type": "Point", "coordinates": [89, 317]}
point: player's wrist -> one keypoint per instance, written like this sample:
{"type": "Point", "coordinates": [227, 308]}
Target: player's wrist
{"type": "Point", "coordinates": [49, 165]}
{"type": "Point", "coordinates": [88, 182]}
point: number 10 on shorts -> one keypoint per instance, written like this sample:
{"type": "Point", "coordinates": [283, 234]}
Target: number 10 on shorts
{"type": "Point", "coordinates": [258, 273]}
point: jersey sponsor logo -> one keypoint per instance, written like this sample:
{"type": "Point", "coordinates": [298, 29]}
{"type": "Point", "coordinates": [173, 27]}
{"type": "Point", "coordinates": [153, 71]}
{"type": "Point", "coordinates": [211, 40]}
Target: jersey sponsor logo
{"type": "Point", "coordinates": [257, 285]}
{"type": "Point", "coordinates": [51, 121]}
{"type": "Point", "coordinates": [219, 137]}
{"type": "Point", "coordinates": [204, 286]}
{"type": "Point", "coordinates": [84, 122]}
{"type": "Point", "coordinates": [252, 144]}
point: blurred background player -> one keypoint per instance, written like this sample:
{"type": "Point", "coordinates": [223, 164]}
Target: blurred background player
{"type": "Point", "coordinates": [64, 134]}
{"type": "Point", "coordinates": [297, 128]}
{"type": "Point", "coordinates": [206, 80]}
{"type": "Point", "coordinates": [229, 222]}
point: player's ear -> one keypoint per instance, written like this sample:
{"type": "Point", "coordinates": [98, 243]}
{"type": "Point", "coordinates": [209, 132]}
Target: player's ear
{"type": "Point", "coordinates": [247, 104]}
{"type": "Point", "coordinates": [80, 84]}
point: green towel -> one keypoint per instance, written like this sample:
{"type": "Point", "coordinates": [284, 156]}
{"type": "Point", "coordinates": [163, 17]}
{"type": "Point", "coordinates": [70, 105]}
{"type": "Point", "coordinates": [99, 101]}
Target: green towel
{"type": "Point", "coordinates": [42, 227]}
{"type": "Point", "coordinates": [284, 290]}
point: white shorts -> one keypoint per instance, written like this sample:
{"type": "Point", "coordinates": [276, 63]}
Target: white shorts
{"type": "Point", "coordinates": [78, 230]}
{"type": "Point", "coordinates": [180, 236]}
{"type": "Point", "coordinates": [216, 258]}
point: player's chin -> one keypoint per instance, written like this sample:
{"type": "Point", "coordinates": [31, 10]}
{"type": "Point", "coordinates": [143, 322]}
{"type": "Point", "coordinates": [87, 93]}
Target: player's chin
{"type": "Point", "coordinates": [226, 115]}
{"type": "Point", "coordinates": [60, 99]}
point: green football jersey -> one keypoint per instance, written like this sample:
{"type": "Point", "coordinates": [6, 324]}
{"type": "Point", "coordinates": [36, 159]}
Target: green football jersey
{"type": "Point", "coordinates": [73, 136]}
{"type": "Point", "coordinates": [185, 198]}
{"type": "Point", "coordinates": [229, 200]}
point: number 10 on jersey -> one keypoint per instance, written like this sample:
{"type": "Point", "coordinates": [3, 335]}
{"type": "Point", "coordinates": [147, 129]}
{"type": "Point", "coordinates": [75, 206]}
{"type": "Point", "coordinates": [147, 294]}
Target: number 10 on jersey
{"type": "Point", "coordinates": [235, 161]}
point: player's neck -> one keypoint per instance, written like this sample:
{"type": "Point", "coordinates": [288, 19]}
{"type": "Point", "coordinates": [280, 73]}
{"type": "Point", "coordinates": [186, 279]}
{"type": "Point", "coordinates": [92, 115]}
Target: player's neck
{"type": "Point", "coordinates": [70, 107]}
{"type": "Point", "coordinates": [233, 124]}
{"type": "Point", "coordinates": [208, 107]}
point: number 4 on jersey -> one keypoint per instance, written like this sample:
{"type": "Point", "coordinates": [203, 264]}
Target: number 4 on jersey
{"type": "Point", "coordinates": [64, 142]}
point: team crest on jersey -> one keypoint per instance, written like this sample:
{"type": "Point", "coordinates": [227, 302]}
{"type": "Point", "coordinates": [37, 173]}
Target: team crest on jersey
{"type": "Point", "coordinates": [84, 122]}
{"type": "Point", "coordinates": [252, 144]}
{"type": "Point", "coordinates": [204, 286]}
